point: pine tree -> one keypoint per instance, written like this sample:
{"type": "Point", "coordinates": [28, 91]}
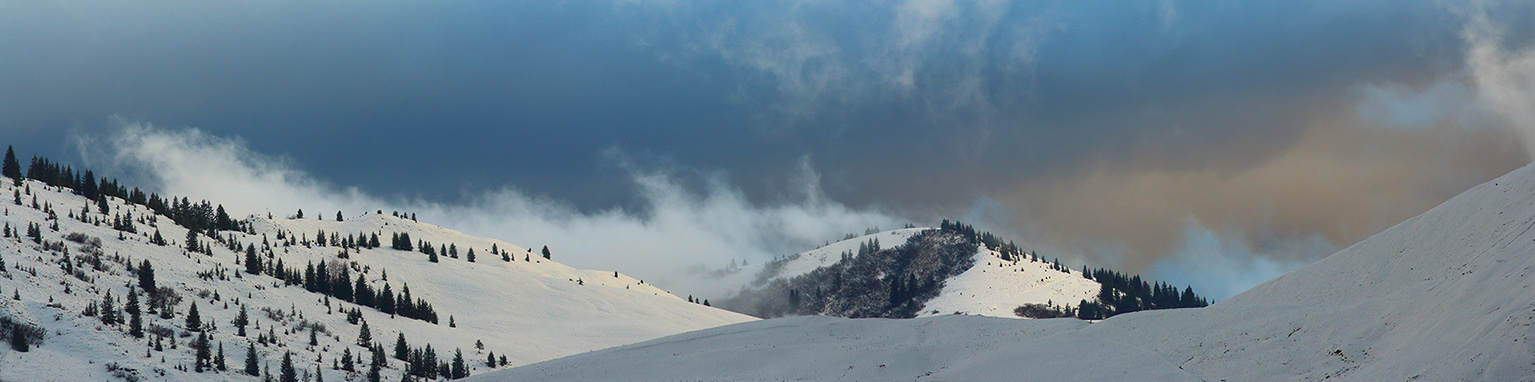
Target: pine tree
{"type": "Point", "coordinates": [346, 359]}
{"type": "Point", "coordinates": [11, 168]}
{"type": "Point", "coordinates": [146, 277]}
{"type": "Point", "coordinates": [338, 216]}
{"type": "Point", "coordinates": [108, 312]}
{"type": "Point", "coordinates": [135, 317]}
{"type": "Point", "coordinates": [218, 361]}
{"type": "Point", "coordinates": [252, 262]}
{"type": "Point", "coordinates": [194, 322]}
{"type": "Point", "coordinates": [459, 371]}
{"type": "Point", "coordinates": [470, 255]}
{"type": "Point", "coordinates": [313, 339]}
{"type": "Point", "coordinates": [373, 375]}
{"type": "Point", "coordinates": [365, 337]}
{"type": "Point", "coordinates": [192, 241]}
{"type": "Point", "coordinates": [241, 320]}
{"type": "Point", "coordinates": [288, 373]}
{"type": "Point", "coordinates": [250, 360]}
{"type": "Point", "coordinates": [401, 349]}
{"type": "Point", "coordinates": [490, 360]}
{"type": "Point", "coordinates": [202, 351]}
{"type": "Point", "coordinates": [546, 253]}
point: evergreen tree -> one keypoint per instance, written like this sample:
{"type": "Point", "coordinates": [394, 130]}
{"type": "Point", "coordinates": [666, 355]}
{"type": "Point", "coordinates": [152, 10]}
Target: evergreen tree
{"type": "Point", "coordinates": [490, 360]}
{"type": "Point", "coordinates": [218, 361]}
{"type": "Point", "coordinates": [194, 321]}
{"type": "Point", "coordinates": [546, 253]}
{"type": "Point", "coordinates": [458, 369]}
{"type": "Point", "coordinates": [11, 168]}
{"type": "Point", "coordinates": [346, 359]}
{"type": "Point", "coordinates": [373, 375]}
{"type": "Point", "coordinates": [401, 349]}
{"type": "Point", "coordinates": [146, 277]}
{"type": "Point", "coordinates": [365, 337]}
{"type": "Point", "coordinates": [108, 311]}
{"type": "Point", "coordinates": [470, 255]}
{"type": "Point", "coordinates": [314, 340]}
{"type": "Point", "coordinates": [192, 241]}
{"type": "Point", "coordinates": [241, 320]}
{"type": "Point", "coordinates": [201, 349]}
{"type": "Point", "coordinates": [288, 373]}
{"type": "Point", "coordinates": [19, 339]}
{"type": "Point", "coordinates": [135, 317]}
{"type": "Point", "coordinates": [250, 360]}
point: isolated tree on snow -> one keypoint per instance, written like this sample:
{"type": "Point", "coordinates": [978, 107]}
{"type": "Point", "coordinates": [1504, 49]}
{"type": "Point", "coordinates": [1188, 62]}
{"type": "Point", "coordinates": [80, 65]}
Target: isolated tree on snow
{"type": "Point", "coordinates": [194, 322]}
{"type": "Point", "coordinates": [135, 316]}
{"type": "Point", "coordinates": [365, 337]}
{"type": "Point", "coordinates": [146, 277]}
{"type": "Point", "coordinates": [470, 255]}
{"type": "Point", "coordinates": [288, 374]}
{"type": "Point", "coordinates": [338, 216]}
{"type": "Point", "coordinates": [252, 262]}
{"type": "Point", "coordinates": [241, 320]}
{"type": "Point", "coordinates": [218, 360]}
{"type": "Point", "coordinates": [108, 312]}
{"type": "Point", "coordinates": [250, 360]}
{"type": "Point", "coordinates": [300, 213]}
{"type": "Point", "coordinates": [346, 359]}
{"type": "Point", "coordinates": [546, 253]}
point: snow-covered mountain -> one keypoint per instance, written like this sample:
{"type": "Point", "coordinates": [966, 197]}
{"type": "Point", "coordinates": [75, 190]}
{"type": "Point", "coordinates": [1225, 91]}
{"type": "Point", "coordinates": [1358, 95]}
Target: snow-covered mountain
{"type": "Point", "coordinates": [528, 309]}
{"type": "Point", "coordinates": [945, 273]}
{"type": "Point", "coordinates": [1444, 296]}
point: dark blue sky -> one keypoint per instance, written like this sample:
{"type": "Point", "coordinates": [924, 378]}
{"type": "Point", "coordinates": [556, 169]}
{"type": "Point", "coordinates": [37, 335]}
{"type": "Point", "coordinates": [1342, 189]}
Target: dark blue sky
{"type": "Point", "coordinates": [924, 107]}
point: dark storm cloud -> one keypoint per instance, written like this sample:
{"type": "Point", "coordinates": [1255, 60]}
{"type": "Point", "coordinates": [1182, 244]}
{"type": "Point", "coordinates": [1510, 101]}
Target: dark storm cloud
{"type": "Point", "coordinates": [926, 108]}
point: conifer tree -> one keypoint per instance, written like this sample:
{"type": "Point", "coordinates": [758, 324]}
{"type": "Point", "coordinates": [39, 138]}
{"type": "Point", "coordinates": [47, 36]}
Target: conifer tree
{"type": "Point", "coordinates": [459, 371]}
{"type": "Point", "coordinates": [241, 320]}
{"type": "Point", "coordinates": [218, 361]}
{"type": "Point", "coordinates": [373, 375]}
{"type": "Point", "coordinates": [108, 312]}
{"type": "Point", "coordinates": [346, 359]}
{"type": "Point", "coordinates": [252, 262]}
{"type": "Point", "coordinates": [546, 253]}
{"type": "Point", "coordinates": [490, 360]}
{"type": "Point", "coordinates": [194, 322]}
{"type": "Point", "coordinates": [250, 360]}
{"type": "Point", "coordinates": [365, 337]}
{"type": "Point", "coordinates": [11, 168]}
{"type": "Point", "coordinates": [401, 349]}
{"type": "Point", "coordinates": [288, 373]}
{"type": "Point", "coordinates": [135, 317]}
{"type": "Point", "coordinates": [338, 216]}
{"type": "Point", "coordinates": [146, 277]}
{"type": "Point", "coordinates": [470, 255]}
{"type": "Point", "coordinates": [201, 349]}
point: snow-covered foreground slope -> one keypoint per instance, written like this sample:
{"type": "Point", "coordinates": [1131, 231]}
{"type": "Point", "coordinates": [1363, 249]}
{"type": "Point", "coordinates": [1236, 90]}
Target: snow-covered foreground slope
{"type": "Point", "coordinates": [1443, 296]}
{"type": "Point", "coordinates": [528, 310]}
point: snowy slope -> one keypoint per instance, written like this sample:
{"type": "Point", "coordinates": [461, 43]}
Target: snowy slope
{"type": "Point", "coordinates": [991, 287]}
{"type": "Point", "coordinates": [528, 311]}
{"type": "Point", "coordinates": [1443, 296]}
{"type": "Point", "coordinates": [994, 287]}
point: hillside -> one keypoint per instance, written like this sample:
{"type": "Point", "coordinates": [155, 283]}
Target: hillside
{"type": "Point", "coordinates": [1442, 296]}
{"type": "Point", "coordinates": [528, 309]}
{"type": "Point", "coordinates": [922, 272]}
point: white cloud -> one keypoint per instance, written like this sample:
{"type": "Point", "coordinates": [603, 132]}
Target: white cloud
{"type": "Point", "coordinates": [1505, 79]}
{"type": "Point", "coordinates": [675, 229]}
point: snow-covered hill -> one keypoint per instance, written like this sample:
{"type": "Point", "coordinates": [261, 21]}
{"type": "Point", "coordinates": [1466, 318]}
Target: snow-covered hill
{"type": "Point", "coordinates": [529, 309]}
{"type": "Point", "coordinates": [991, 285]}
{"type": "Point", "coordinates": [1444, 296]}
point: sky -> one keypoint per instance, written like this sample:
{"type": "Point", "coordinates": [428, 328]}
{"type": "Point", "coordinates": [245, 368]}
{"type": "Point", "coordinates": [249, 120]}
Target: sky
{"type": "Point", "coordinates": [1211, 144]}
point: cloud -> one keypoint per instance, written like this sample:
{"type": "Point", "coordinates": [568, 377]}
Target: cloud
{"type": "Point", "coordinates": [676, 227]}
{"type": "Point", "coordinates": [1504, 77]}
